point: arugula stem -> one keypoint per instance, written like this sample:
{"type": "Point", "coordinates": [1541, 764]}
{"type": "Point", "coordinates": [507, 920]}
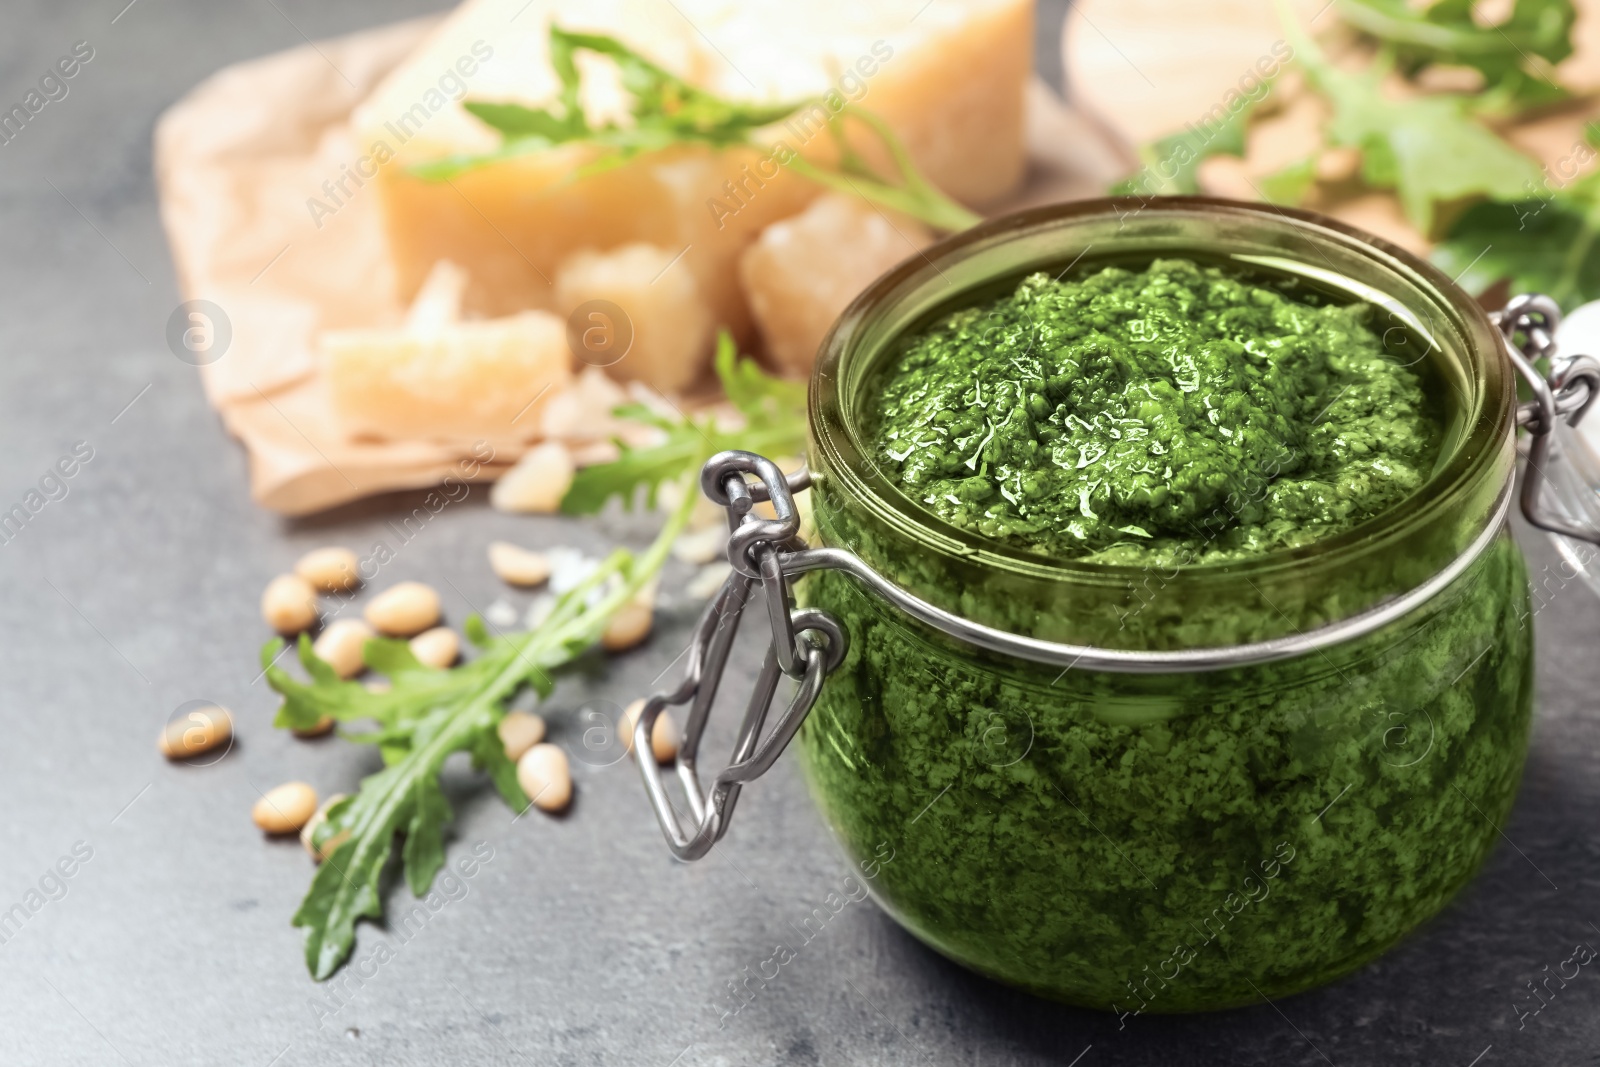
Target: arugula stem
{"type": "Point", "coordinates": [1306, 52]}
{"type": "Point", "coordinates": [915, 195]}
{"type": "Point", "coordinates": [1371, 21]}
{"type": "Point", "coordinates": [639, 572]}
{"type": "Point", "coordinates": [926, 204]}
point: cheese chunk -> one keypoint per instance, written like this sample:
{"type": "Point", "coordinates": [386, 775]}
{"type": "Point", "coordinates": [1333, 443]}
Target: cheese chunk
{"type": "Point", "coordinates": [438, 302]}
{"type": "Point", "coordinates": [464, 381]}
{"type": "Point", "coordinates": [584, 410]}
{"type": "Point", "coordinates": [636, 311]}
{"type": "Point", "coordinates": [948, 77]}
{"type": "Point", "coordinates": [801, 272]}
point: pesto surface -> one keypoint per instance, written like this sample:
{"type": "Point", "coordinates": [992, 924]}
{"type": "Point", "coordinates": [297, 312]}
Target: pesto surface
{"type": "Point", "coordinates": [1180, 412]}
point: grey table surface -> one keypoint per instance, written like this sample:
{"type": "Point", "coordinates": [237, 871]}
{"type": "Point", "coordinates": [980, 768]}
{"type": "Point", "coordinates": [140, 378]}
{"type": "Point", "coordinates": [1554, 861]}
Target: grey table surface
{"type": "Point", "coordinates": [579, 941]}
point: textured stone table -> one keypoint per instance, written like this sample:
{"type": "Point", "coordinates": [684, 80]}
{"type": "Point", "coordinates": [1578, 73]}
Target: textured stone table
{"type": "Point", "coordinates": [579, 942]}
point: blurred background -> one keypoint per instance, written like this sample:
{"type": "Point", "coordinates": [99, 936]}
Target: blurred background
{"type": "Point", "coordinates": [132, 592]}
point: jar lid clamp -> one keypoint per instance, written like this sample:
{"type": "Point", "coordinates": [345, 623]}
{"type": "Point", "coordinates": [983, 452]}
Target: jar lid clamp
{"type": "Point", "coordinates": [806, 645]}
{"type": "Point", "coordinates": [1527, 326]}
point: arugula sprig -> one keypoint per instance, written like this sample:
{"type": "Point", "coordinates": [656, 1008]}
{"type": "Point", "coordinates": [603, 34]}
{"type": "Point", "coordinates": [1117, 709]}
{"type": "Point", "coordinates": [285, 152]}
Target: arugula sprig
{"type": "Point", "coordinates": [428, 714]}
{"type": "Point", "coordinates": [772, 411]}
{"type": "Point", "coordinates": [1516, 56]}
{"type": "Point", "coordinates": [906, 191]}
{"type": "Point", "coordinates": [425, 717]}
{"type": "Point", "coordinates": [667, 112]}
{"type": "Point", "coordinates": [1428, 149]}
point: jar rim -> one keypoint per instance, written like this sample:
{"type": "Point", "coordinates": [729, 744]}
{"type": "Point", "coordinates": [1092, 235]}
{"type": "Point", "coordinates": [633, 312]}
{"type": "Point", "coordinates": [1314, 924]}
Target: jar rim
{"type": "Point", "coordinates": [1485, 423]}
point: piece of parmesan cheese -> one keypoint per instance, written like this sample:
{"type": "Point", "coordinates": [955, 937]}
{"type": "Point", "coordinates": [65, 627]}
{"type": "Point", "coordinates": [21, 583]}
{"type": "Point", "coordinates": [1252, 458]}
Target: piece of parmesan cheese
{"type": "Point", "coordinates": [801, 272]}
{"type": "Point", "coordinates": [948, 77]}
{"type": "Point", "coordinates": [465, 381]}
{"type": "Point", "coordinates": [636, 311]}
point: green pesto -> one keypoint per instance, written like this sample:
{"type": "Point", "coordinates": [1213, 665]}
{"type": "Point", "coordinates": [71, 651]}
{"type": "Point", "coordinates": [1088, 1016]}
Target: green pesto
{"type": "Point", "coordinates": [1180, 842]}
{"type": "Point", "coordinates": [1112, 418]}
{"type": "Point", "coordinates": [1186, 841]}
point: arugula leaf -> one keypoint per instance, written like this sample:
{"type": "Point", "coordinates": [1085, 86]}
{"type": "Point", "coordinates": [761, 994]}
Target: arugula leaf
{"type": "Point", "coordinates": [757, 394]}
{"type": "Point", "coordinates": [515, 122]}
{"type": "Point", "coordinates": [1171, 165]}
{"type": "Point", "coordinates": [403, 797]}
{"type": "Point", "coordinates": [304, 705]}
{"type": "Point", "coordinates": [423, 854]}
{"type": "Point", "coordinates": [687, 443]}
{"type": "Point", "coordinates": [774, 412]}
{"type": "Point", "coordinates": [1290, 185]}
{"type": "Point", "coordinates": [1427, 148]}
{"type": "Point", "coordinates": [426, 716]}
{"type": "Point", "coordinates": [1539, 245]}
{"type": "Point", "coordinates": [1515, 56]}
{"type": "Point", "coordinates": [489, 756]}
{"type": "Point", "coordinates": [668, 111]}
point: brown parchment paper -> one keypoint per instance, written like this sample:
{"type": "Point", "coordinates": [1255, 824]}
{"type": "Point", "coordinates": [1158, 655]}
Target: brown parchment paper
{"type": "Point", "coordinates": [237, 159]}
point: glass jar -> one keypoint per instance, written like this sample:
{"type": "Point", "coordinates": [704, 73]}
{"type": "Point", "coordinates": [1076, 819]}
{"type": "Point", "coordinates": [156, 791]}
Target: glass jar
{"type": "Point", "coordinates": [1146, 789]}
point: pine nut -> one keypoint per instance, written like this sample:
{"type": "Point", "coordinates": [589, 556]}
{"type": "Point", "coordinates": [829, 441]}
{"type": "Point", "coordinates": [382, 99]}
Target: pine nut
{"type": "Point", "coordinates": [663, 736]}
{"type": "Point", "coordinates": [289, 604]}
{"type": "Point", "coordinates": [404, 610]}
{"type": "Point", "coordinates": [285, 809]}
{"type": "Point", "coordinates": [520, 731]}
{"type": "Point", "coordinates": [544, 775]}
{"type": "Point", "coordinates": [437, 647]}
{"type": "Point", "coordinates": [701, 546]}
{"type": "Point", "coordinates": [516, 565]}
{"type": "Point", "coordinates": [630, 624]}
{"type": "Point", "coordinates": [341, 643]}
{"type": "Point", "coordinates": [627, 628]}
{"type": "Point", "coordinates": [201, 730]}
{"type": "Point", "coordinates": [310, 828]}
{"type": "Point", "coordinates": [329, 570]}
{"type": "Point", "coordinates": [323, 727]}
{"type": "Point", "coordinates": [537, 482]}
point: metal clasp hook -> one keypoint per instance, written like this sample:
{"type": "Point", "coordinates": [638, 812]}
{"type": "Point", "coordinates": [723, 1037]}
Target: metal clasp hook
{"type": "Point", "coordinates": [1527, 326]}
{"type": "Point", "coordinates": [806, 645]}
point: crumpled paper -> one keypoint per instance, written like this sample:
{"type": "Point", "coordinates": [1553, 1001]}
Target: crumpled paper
{"type": "Point", "coordinates": [236, 161]}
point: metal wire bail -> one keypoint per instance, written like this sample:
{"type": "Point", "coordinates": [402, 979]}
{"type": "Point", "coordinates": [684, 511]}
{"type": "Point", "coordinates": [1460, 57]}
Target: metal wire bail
{"type": "Point", "coordinates": [806, 645]}
{"type": "Point", "coordinates": [1527, 327]}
